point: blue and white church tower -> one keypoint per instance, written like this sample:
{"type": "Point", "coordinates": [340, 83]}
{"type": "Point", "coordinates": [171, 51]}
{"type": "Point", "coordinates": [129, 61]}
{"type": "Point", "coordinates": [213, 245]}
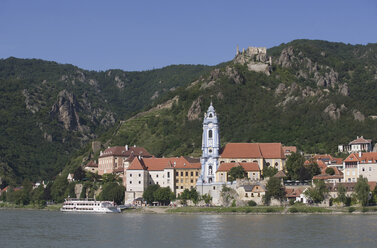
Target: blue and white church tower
{"type": "Point", "coordinates": [210, 147]}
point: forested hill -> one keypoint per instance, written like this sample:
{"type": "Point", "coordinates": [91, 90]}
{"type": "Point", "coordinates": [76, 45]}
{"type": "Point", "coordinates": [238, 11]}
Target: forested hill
{"type": "Point", "coordinates": [312, 94]}
{"type": "Point", "coordinates": [48, 111]}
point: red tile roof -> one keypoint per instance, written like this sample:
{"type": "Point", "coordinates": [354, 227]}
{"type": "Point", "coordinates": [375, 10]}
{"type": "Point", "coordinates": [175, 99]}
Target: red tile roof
{"type": "Point", "coordinates": [246, 166]}
{"type": "Point", "coordinates": [288, 149]}
{"type": "Point", "coordinates": [158, 164]}
{"type": "Point", "coordinates": [121, 151]}
{"type": "Point", "coordinates": [293, 192]}
{"type": "Point", "coordinates": [360, 140]}
{"type": "Point", "coordinates": [253, 150]}
{"type": "Point", "coordinates": [366, 157]}
{"type": "Point", "coordinates": [92, 164]}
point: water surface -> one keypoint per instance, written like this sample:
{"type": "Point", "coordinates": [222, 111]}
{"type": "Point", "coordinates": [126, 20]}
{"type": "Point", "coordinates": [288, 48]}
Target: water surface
{"type": "Point", "coordinates": [23, 228]}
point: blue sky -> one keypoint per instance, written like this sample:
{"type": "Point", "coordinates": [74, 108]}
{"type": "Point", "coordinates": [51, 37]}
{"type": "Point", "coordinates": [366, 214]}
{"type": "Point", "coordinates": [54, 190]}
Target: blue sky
{"type": "Point", "coordinates": [142, 35]}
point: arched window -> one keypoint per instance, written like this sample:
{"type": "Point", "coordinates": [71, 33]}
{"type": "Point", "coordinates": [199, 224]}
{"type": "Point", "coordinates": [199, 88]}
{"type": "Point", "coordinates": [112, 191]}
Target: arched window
{"type": "Point", "coordinates": [210, 115]}
{"type": "Point", "coordinates": [276, 164]}
{"type": "Point", "coordinates": [210, 134]}
{"type": "Point", "coordinates": [268, 164]}
{"type": "Point", "coordinates": [210, 170]}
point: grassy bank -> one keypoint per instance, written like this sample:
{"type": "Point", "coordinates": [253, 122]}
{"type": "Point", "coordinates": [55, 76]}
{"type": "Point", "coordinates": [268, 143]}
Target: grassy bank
{"type": "Point", "coordinates": [7, 205]}
{"type": "Point", "coordinates": [259, 209]}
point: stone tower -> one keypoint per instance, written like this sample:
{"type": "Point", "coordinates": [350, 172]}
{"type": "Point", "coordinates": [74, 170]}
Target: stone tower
{"type": "Point", "coordinates": [210, 147]}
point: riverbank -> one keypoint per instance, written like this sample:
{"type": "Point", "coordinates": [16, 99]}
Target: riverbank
{"type": "Point", "coordinates": [300, 209]}
{"type": "Point", "coordinates": [53, 207]}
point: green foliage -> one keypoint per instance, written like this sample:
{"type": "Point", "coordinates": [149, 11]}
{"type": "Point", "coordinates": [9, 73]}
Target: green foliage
{"type": "Point", "coordinates": [58, 188]}
{"type": "Point", "coordinates": [342, 197]}
{"type": "Point", "coordinates": [274, 189]}
{"type": "Point", "coordinates": [112, 191]}
{"type": "Point", "coordinates": [292, 202]}
{"type": "Point", "coordinates": [269, 171]}
{"type": "Point", "coordinates": [237, 172]}
{"type": "Point", "coordinates": [317, 193]}
{"type": "Point", "coordinates": [351, 209]}
{"type": "Point", "coordinates": [187, 194]}
{"type": "Point", "coordinates": [362, 190]}
{"type": "Point", "coordinates": [148, 194]}
{"type": "Point", "coordinates": [330, 171]}
{"type": "Point", "coordinates": [207, 198]}
{"type": "Point", "coordinates": [163, 195]}
{"type": "Point", "coordinates": [251, 203]}
{"type": "Point", "coordinates": [297, 170]}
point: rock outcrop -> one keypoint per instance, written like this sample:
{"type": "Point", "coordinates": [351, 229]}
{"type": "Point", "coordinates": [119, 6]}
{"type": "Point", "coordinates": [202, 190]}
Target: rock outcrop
{"type": "Point", "coordinates": [255, 58]}
{"type": "Point", "coordinates": [195, 110]}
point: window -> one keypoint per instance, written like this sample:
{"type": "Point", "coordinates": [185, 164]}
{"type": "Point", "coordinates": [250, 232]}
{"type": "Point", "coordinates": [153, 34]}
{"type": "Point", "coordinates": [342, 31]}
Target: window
{"type": "Point", "coordinates": [181, 180]}
{"type": "Point", "coordinates": [196, 173]}
{"type": "Point", "coordinates": [139, 175]}
{"type": "Point", "coordinates": [130, 182]}
{"type": "Point", "coordinates": [214, 187]}
{"type": "Point", "coordinates": [210, 150]}
{"type": "Point", "coordinates": [131, 175]}
{"type": "Point", "coordinates": [268, 164]}
{"type": "Point", "coordinates": [232, 161]}
{"type": "Point", "coordinates": [276, 164]}
{"type": "Point", "coordinates": [192, 173]}
{"type": "Point", "coordinates": [210, 115]}
{"type": "Point", "coordinates": [139, 182]}
{"type": "Point", "coordinates": [363, 169]}
{"type": "Point", "coordinates": [192, 181]}
{"type": "Point", "coordinates": [168, 174]}
{"type": "Point", "coordinates": [181, 173]}
{"type": "Point", "coordinates": [243, 161]}
{"type": "Point", "coordinates": [176, 187]}
{"type": "Point", "coordinates": [181, 187]}
{"type": "Point", "coordinates": [157, 175]}
{"type": "Point", "coordinates": [177, 173]}
{"type": "Point", "coordinates": [176, 180]}
{"type": "Point", "coordinates": [210, 134]}
{"type": "Point", "coordinates": [186, 173]}
{"type": "Point", "coordinates": [246, 195]}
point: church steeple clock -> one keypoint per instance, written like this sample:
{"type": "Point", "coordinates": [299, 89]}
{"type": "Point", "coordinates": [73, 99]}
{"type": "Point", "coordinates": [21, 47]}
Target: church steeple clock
{"type": "Point", "coordinates": [210, 147]}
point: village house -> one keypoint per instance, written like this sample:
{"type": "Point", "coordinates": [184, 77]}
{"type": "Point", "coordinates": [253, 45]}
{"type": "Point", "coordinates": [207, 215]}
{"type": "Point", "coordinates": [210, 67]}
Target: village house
{"type": "Point", "coordinates": [337, 177]}
{"type": "Point", "coordinates": [252, 170]}
{"type": "Point", "coordinates": [288, 150]}
{"type": "Point", "coordinates": [360, 164]}
{"type": "Point", "coordinates": [350, 188]}
{"type": "Point", "coordinates": [116, 159]}
{"type": "Point", "coordinates": [358, 145]}
{"type": "Point", "coordinates": [91, 166]}
{"type": "Point", "coordinates": [254, 192]}
{"type": "Point", "coordinates": [264, 154]}
{"type": "Point", "coordinates": [143, 172]}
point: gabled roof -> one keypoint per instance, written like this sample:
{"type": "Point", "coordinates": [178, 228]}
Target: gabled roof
{"type": "Point", "coordinates": [280, 174]}
{"type": "Point", "coordinates": [123, 151]}
{"type": "Point", "coordinates": [246, 166]}
{"type": "Point", "coordinates": [360, 140]}
{"type": "Point", "coordinates": [289, 149]}
{"type": "Point", "coordinates": [293, 192]}
{"type": "Point", "coordinates": [366, 157]}
{"type": "Point", "coordinates": [159, 164]}
{"type": "Point", "coordinates": [253, 150]}
{"type": "Point", "coordinates": [92, 164]}
{"type": "Point", "coordinates": [136, 164]}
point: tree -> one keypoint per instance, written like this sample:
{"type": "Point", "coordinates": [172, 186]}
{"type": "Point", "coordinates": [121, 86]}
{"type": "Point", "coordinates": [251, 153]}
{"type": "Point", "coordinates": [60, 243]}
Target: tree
{"type": "Point", "coordinates": [342, 197]}
{"type": "Point", "coordinates": [294, 165]}
{"type": "Point", "coordinates": [38, 196]}
{"type": "Point", "coordinates": [298, 170]}
{"type": "Point", "coordinates": [269, 171]}
{"type": "Point", "coordinates": [274, 189]}
{"type": "Point", "coordinates": [207, 198]}
{"type": "Point", "coordinates": [330, 171]}
{"type": "Point", "coordinates": [148, 194]}
{"type": "Point", "coordinates": [317, 193]}
{"type": "Point", "coordinates": [58, 188]}
{"type": "Point", "coordinates": [163, 195]}
{"type": "Point", "coordinates": [362, 190]}
{"type": "Point", "coordinates": [236, 172]}
{"type": "Point", "coordinates": [112, 192]}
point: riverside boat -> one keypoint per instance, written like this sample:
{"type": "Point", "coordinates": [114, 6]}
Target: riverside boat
{"type": "Point", "coordinates": [89, 206]}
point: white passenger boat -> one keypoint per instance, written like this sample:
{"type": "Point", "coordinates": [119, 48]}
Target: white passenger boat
{"type": "Point", "coordinates": [89, 206]}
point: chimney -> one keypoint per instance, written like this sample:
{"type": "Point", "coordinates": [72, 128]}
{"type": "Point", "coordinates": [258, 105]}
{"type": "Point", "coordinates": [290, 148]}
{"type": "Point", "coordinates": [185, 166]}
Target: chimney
{"type": "Point", "coordinates": [360, 154]}
{"type": "Point", "coordinates": [126, 147]}
{"type": "Point", "coordinates": [175, 163]}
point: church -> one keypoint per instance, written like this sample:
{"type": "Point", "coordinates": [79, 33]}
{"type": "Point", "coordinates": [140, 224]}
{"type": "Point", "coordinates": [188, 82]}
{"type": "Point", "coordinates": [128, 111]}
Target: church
{"type": "Point", "coordinates": [216, 163]}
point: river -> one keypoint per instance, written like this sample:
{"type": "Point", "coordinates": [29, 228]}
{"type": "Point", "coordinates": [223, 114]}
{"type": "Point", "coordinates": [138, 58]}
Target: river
{"type": "Point", "coordinates": [33, 228]}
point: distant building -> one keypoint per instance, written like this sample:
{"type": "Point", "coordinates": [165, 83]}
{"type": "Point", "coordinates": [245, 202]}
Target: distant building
{"type": "Point", "coordinates": [252, 170]}
{"type": "Point", "coordinates": [358, 145]}
{"type": "Point", "coordinates": [264, 154]}
{"type": "Point", "coordinates": [254, 192]}
{"type": "Point", "coordinates": [91, 166]}
{"type": "Point", "coordinates": [176, 173]}
{"type": "Point", "coordinates": [360, 164]}
{"type": "Point", "coordinates": [288, 150]}
{"type": "Point", "coordinates": [116, 159]}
